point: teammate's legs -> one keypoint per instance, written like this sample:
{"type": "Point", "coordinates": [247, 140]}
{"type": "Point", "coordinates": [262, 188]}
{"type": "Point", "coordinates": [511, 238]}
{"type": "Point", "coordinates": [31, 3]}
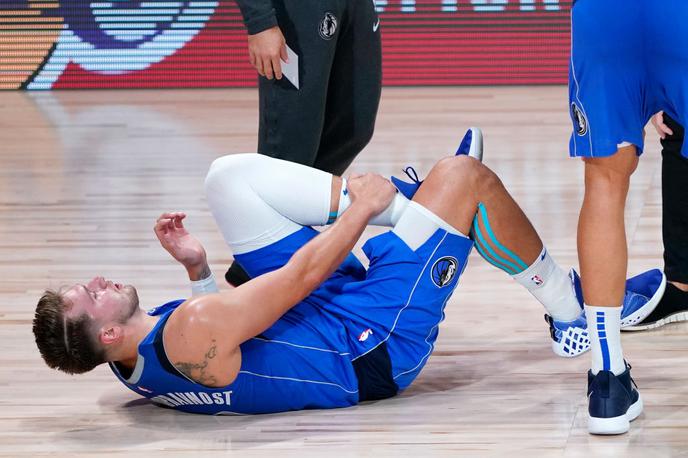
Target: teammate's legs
{"type": "Point", "coordinates": [603, 253]}
{"type": "Point", "coordinates": [290, 119]}
{"type": "Point", "coordinates": [609, 104]}
{"type": "Point", "coordinates": [354, 89]}
{"type": "Point", "coordinates": [675, 206]}
{"type": "Point", "coordinates": [673, 306]}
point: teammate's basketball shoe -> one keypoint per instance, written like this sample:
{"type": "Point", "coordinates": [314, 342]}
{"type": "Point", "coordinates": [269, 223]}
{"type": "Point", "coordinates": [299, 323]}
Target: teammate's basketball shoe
{"type": "Point", "coordinates": [672, 308]}
{"type": "Point", "coordinates": [643, 292]}
{"type": "Point", "coordinates": [613, 402]}
{"type": "Point", "coordinates": [471, 145]}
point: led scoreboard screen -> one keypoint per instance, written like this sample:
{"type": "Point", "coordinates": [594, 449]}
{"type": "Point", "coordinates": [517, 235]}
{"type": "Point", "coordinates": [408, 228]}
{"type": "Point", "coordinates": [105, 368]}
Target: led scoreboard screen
{"type": "Point", "coordinates": [56, 44]}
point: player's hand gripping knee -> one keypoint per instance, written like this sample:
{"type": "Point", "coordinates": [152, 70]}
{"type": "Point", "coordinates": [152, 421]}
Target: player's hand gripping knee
{"type": "Point", "coordinates": [371, 190]}
{"type": "Point", "coordinates": [265, 50]}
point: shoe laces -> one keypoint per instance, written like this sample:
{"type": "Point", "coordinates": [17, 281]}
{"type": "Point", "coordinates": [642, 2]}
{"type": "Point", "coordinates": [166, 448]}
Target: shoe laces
{"type": "Point", "coordinates": [412, 174]}
{"type": "Point", "coordinates": [628, 368]}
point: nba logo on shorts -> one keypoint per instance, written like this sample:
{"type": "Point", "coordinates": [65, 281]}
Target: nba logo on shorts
{"type": "Point", "coordinates": [444, 270]}
{"type": "Point", "coordinates": [537, 280]}
{"type": "Point", "coordinates": [364, 335]}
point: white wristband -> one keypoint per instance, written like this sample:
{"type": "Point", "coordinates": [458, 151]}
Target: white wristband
{"type": "Point", "coordinates": [204, 286]}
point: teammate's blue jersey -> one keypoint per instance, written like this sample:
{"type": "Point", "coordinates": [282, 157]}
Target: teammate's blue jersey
{"type": "Point", "coordinates": [629, 60]}
{"type": "Point", "coordinates": [310, 358]}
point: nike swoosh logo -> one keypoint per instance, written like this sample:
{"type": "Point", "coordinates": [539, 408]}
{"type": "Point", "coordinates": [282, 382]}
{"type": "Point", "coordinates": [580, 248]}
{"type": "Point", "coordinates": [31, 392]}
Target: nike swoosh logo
{"type": "Point", "coordinates": [376, 25]}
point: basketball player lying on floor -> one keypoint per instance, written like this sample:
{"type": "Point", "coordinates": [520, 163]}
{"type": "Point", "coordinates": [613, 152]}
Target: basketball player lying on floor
{"type": "Point", "coordinates": [313, 328]}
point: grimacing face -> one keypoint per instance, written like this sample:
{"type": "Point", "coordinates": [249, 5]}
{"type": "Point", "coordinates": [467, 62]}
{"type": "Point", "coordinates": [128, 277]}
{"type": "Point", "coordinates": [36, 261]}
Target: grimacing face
{"type": "Point", "coordinates": [102, 300]}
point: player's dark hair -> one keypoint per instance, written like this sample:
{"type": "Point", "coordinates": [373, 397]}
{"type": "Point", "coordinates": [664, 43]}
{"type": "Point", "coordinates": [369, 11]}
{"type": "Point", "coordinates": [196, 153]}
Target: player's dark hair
{"type": "Point", "coordinates": [71, 350]}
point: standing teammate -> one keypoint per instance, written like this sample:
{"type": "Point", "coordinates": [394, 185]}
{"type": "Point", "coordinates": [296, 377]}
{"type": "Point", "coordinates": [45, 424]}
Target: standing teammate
{"type": "Point", "coordinates": [328, 120]}
{"type": "Point", "coordinates": [330, 117]}
{"type": "Point", "coordinates": [621, 73]}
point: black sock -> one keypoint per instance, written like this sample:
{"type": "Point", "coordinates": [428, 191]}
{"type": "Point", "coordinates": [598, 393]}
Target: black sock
{"type": "Point", "coordinates": [673, 301]}
{"type": "Point", "coordinates": [236, 275]}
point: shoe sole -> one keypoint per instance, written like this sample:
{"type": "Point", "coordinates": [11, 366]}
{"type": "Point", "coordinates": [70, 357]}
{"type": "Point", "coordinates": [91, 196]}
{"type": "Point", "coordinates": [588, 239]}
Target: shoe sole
{"type": "Point", "coordinates": [629, 323]}
{"type": "Point", "coordinates": [673, 318]}
{"type": "Point", "coordinates": [559, 349]}
{"type": "Point", "coordinates": [616, 425]}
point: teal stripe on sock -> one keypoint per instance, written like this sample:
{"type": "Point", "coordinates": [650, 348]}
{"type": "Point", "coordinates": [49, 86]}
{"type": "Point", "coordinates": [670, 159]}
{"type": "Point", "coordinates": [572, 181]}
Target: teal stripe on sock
{"type": "Point", "coordinates": [483, 212]}
{"type": "Point", "coordinates": [481, 246]}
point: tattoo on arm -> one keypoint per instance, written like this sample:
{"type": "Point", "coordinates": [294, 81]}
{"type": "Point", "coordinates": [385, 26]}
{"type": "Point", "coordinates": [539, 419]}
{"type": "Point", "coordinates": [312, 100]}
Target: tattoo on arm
{"type": "Point", "coordinates": [197, 371]}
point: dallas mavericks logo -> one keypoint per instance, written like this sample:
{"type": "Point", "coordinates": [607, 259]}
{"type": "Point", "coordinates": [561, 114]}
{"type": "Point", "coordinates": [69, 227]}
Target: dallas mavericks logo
{"type": "Point", "coordinates": [328, 26]}
{"type": "Point", "coordinates": [444, 270]}
{"type": "Point", "coordinates": [579, 119]}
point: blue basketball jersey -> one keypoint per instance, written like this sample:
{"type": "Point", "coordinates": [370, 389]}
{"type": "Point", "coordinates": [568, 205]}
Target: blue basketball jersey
{"type": "Point", "coordinates": [358, 328]}
{"type": "Point", "coordinates": [276, 375]}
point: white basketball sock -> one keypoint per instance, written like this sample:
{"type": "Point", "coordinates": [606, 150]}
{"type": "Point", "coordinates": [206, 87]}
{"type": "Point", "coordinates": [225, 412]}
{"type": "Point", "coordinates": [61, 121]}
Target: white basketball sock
{"type": "Point", "coordinates": [550, 285]}
{"type": "Point", "coordinates": [604, 329]}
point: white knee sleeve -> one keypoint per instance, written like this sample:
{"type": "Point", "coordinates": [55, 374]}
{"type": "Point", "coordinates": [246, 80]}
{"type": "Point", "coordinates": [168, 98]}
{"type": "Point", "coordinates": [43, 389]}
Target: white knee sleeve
{"type": "Point", "coordinates": [257, 200]}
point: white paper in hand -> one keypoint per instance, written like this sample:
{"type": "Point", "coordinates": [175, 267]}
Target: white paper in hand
{"type": "Point", "coordinates": [291, 70]}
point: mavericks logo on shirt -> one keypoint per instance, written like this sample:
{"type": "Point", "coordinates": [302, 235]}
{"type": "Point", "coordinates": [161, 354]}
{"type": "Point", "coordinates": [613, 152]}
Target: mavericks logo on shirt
{"type": "Point", "coordinates": [444, 270]}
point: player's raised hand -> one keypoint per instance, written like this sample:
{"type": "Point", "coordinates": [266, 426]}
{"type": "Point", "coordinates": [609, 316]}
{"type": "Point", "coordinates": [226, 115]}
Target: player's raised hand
{"type": "Point", "coordinates": [662, 129]}
{"type": "Point", "coordinates": [265, 50]}
{"type": "Point", "coordinates": [177, 241]}
{"type": "Point", "coordinates": [371, 190]}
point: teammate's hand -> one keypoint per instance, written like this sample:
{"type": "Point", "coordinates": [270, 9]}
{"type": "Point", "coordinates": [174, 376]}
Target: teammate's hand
{"type": "Point", "coordinates": [371, 190]}
{"type": "Point", "coordinates": [662, 129]}
{"type": "Point", "coordinates": [177, 241]}
{"type": "Point", "coordinates": [264, 51]}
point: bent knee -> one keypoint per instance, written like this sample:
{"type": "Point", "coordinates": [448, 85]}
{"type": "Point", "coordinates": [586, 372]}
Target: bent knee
{"type": "Point", "coordinates": [467, 171]}
{"type": "Point", "coordinates": [228, 169]}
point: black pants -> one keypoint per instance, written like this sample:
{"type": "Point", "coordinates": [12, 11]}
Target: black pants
{"type": "Point", "coordinates": [675, 204]}
{"type": "Point", "coordinates": [331, 118]}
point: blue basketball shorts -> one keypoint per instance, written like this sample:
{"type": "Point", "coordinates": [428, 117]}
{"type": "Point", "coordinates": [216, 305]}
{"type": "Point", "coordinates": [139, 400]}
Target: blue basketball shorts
{"type": "Point", "coordinates": [629, 60]}
{"type": "Point", "coordinates": [398, 301]}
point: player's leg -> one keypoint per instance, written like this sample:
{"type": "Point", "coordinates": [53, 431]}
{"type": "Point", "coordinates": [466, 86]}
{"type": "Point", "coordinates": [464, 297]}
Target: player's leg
{"type": "Point", "coordinates": [257, 200]}
{"type": "Point", "coordinates": [414, 269]}
{"type": "Point", "coordinates": [354, 89]}
{"type": "Point", "coordinates": [472, 199]}
{"type": "Point", "coordinates": [455, 190]}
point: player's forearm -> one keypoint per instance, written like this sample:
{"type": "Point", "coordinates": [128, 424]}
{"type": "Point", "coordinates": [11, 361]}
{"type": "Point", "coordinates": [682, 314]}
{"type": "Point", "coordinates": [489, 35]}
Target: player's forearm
{"type": "Point", "coordinates": [320, 257]}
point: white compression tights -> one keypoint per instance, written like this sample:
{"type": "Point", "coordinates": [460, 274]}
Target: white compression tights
{"type": "Point", "coordinates": [257, 200]}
